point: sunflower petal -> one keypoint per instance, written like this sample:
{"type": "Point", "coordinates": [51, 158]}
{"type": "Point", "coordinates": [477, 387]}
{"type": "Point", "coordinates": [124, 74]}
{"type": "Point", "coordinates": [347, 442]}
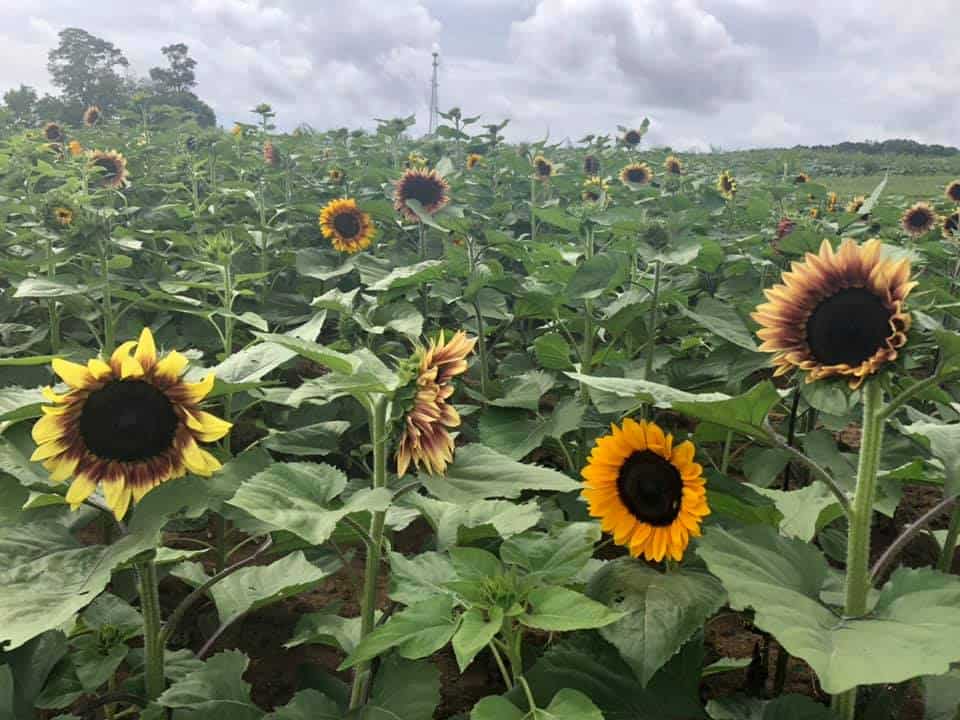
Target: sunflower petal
{"type": "Point", "coordinates": [74, 375]}
{"type": "Point", "coordinates": [82, 487]}
{"type": "Point", "coordinates": [171, 366]}
{"type": "Point", "coordinates": [146, 353]}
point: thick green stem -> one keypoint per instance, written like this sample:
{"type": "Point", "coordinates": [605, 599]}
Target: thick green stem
{"type": "Point", "coordinates": [945, 563]}
{"type": "Point", "coordinates": [154, 679]}
{"type": "Point", "coordinates": [482, 349]}
{"type": "Point", "coordinates": [861, 514]}
{"type": "Point", "coordinates": [654, 310]}
{"type": "Point", "coordinates": [109, 329]}
{"type": "Point", "coordinates": [368, 606]}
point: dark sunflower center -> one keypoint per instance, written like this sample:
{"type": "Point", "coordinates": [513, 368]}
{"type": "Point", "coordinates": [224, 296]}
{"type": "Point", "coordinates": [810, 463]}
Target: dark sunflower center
{"type": "Point", "coordinates": [423, 189]}
{"type": "Point", "coordinates": [632, 137]}
{"type": "Point", "coordinates": [848, 327]}
{"type": "Point", "coordinates": [128, 420]}
{"type": "Point", "coordinates": [953, 223]}
{"type": "Point", "coordinates": [918, 219]}
{"type": "Point", "coordinates": [636, 175]}
{"type": "Point", "coordinates": [109, 166]}
{"type": "Point", "coordinates": [651, 488]}
{"type": "Point", "coordinates": [954, 192]}
{"type": "Point", "coordinates": [347, 224]}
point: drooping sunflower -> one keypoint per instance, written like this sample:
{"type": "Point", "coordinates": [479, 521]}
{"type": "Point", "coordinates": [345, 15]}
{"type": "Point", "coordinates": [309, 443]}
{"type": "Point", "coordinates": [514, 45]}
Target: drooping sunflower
{"type": "Point", "coordinates": [425, 437]}
{"type": "Point", "coordinates": [632, 138]}
{"type": "Point", "coordinates": [951, 226]}
{"type": "Point", "coordinates": [427, 187]}
{"type": "Point", "coordinates": [726, 185]}
{"type": "Point", "coordinates": [801, 178]}
{"type": "Point", "coordinates": [346, 226]}
{"type": "Point", "coordinates": [953, 191]}
{"type": "Point", "coordinates": [542, 168]}
{"type": "Point", "coordinates": [91, 115]}
{"type": "Point", "coordinates": [673, 166]}
{"type": "Point", "coordinates": [837, 313]}
{"type": "Point", "coordinates": [591, 165]}
{"type": "Point", "coordinates": [594, 188]}
{"type": "Point", "coordinates": [636, 174]}
{"type": "Point", "coordinates": [114, 167]}
{"type": "Point", "coordinates": [473, 159]}
{"type": "Point", "coordinates": [649, 494]}
{"type": "Point", "coordinates": [854, 205]}
{"type": "Point", "coordinates": [918, 219]}
{"type": "Point", "coordinates": [832, 200]}
{"type": "Point", "coordinates": [52, 132]}
{"type": "Point", "coordinates": [76, 149]}
{"type": "Point", "coordinates": [126, 425]}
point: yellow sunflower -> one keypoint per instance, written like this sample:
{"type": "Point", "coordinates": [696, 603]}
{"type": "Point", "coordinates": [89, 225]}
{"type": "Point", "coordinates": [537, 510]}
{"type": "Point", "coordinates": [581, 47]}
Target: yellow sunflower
{"type": "Point", "coordinates": [53, 132]}
{"type": "Point", "coordinates": [416, 160]}
{"type": "Point", "coordinates": [726, 185]}
{"type": "Point", "coordinates": [854, 205]}
{"type": "Point", "coordinates": [837, 313]}
{"type": "Point", "coordinates": [63, 216]}
{"type": "Point", "coordinates": [951, 226]}
{"type": "Point", "coordinates": [427, 187]}
{"type": "Point", "coordinates": [814, 213]}
{"type": "Point", "coordinates": [126, 425]}
{"type": "Point", "coordinates": [76, 149]}
{"type": "Point", "coordinates": [542, 167]}
{"type": "Point", "coordinates": [673, 166]}
{"type": "Point", "coordinates": [636, 174]}
{"type": "Point", "coordinates": [114, 167]}
{"type": "Point", "coordinates": [832, 200]}
{"type": "Point", "coordinates": [473, 159]}
{"type": "Point", "coordinates": [918, 219]}
{"type": "Point", "coordinates": [336, 175]}
{"type": "Point", "coordinates": [649, 494]}
{"type": "Point", "coordinates": [953, 191]}
{"type": "Point", "coordinates": [594, 188]}
{"type": "Point", "coordinates": [425, 437]}
{"type": "Point", "coordinates": [346, 226]}
{"type": "Point", "coordinates": [237, 130]}
{"type": "Point", "coordinates": [91, 115]}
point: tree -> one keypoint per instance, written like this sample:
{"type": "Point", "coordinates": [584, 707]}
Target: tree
{"type": "Point", "coordinates": [85, 68]}
{"type": "Point", "coordinates": [21, 103]}
{"type": "Point", "coordinates": [179, 77]}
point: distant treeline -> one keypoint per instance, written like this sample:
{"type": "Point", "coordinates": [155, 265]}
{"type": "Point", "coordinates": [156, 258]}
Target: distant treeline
{"type": "Point", "coordinates": [897, 146]}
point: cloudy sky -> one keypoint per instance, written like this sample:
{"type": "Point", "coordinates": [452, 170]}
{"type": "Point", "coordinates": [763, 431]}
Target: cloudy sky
{"type": "Point", "coordinates": [729, 73]}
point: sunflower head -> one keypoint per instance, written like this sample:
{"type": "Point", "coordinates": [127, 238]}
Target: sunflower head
{"type": "Point", "coordinates": [814, 212]}
{"type": "Point", "coordinates": [415, 160]}
{"type": "Point", "coordinates": [837, 313]}
{"type": "Point", "coordinates": [854, 205]}
{"type": "Point", "coordinates": [473, 159]}
{"type": "Point", "coordinates": [270, 155]}
{"type": "Point", "coordinates": [113, 167]}
{"type": "Point", "coordinates": [336, 175]}
{"type": "Point", "coordinates": [632, 138]}
{"type": "Point", "coordinates": [832, 200]}
{"type": "Point", "coordinates": [76, 149]}
{"type": "Point", "coordinates": [918, 219]}
{"type": "Point", "coordinates": [126, 425]}
{"type": "Point", "coordinates": [237, 130]}
{"type": "Point", "coordinates": [726, 185]}
{"type": "Point", "coordinates": [673, 166]}
{"type": "Point", "coordinates": [425, 438]}
{"type": "Point", "coordinates": [785, 227]}
{"type": "Point", "coordinates": [953, 191]}
{"type": "Point", "coordinates": [542, 168]}
{"type": "Point", "coordinates": [594, 189]}
{"type": "Point", "coordinates": [951, 226]}
{"type": "Point", "coordinates": [801, 178]}
{"type": "Point", "coordinates": [591, 165]}
{"type": "Point", "coordinates": [63, 216]}
{"type": "Point", "coordinates": [346, 226]}
{"type": "Point", "coordinates": [91, 115]}
{"type": "Point", "coordinates": [636, 174]}
{"type": "Point", "coordinates": [648, 493]}
{"type": "Point", "coordinates": [52, 132]}
{"type": "Point", "coordinates": [427, 187]}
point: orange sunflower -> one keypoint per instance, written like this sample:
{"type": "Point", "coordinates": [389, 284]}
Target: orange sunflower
{"type": "Point", "coordinates": [649, 494]}
{"type": "Point", "coordinates": [53, 132]}
{"type": "Point", "coordinates": [346, 226]}
{"type": "Point", "coordinates": [126, 425]}
{"type": "Point", "coordinates": [114, 167]}
{"type": "Point", "coordinates": [91, 115]}
{"type": "Point", "coordinates": [427, 187]}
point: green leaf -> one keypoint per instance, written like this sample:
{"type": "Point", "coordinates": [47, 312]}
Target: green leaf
{"type": "Point", "coordinates": [424, 575]}
{"type": "Point", "coordinates": [479, 473]}
{"type": "Point", "coordinates": [566, 705]}
{"type": "Point", "coordinates": [320, 438]}
{"type": "Point", "coordinates": [552, 557]}
{"type": "Point", "coordinates": [504, 517]}
{"type": "Point", "coordinates": [914, 628]}
{"type": "Point", "coordinates": [476, 631]}
{"type": "Point", "coordinates": [557, 216]}
{"type": "Point", "coordinates": [217, 691]}
{"type": "Point", "coordinates": [663, 610]}
{"type": "Point", "coordinates": [949, 343]}
{"type": "Point", "coordinates": [403, 690]}
{"type": "Point", "coordinates": [17, 403]}
{"type": "Point", "coordinates": [308, 705]}
{"type": "Point", "coordinates": [418, 631]}
{"type": "Point", "coordinates": [511, 432]}
{"type": "Point", "coordinates": [944, 442]}
{"type": "Point", "coordinates": [96, 665]}
{"type": "Point", "coordinates": [787, 707]}
{"type": "Point", "coordinates": [31, 665]}
{"type": "Point", "coordinates": [803, 509]}
{"type": "Point", "coordinates": [722, 320]}
{"type": "Point", "coordinates": [43, 288]}
{"type": "Point", "coordinates": [525, 390]}
{"type": "Point", "coordinates": [299, 497]}
{"type": "Point", "coordinates": [941, 696]}
{"type": "Point", "coordinates": [327, 628]}
{"type": "Point", "coordinates": [594, 276]}
{"type": "Point", "coordinates": [553, 352]}
{"type": "Point", "coordinates": [558, 609]}
{"type": "Point", "coordinates": [871, 201]}
{"type": "Point", "coordinates": [336, 361]}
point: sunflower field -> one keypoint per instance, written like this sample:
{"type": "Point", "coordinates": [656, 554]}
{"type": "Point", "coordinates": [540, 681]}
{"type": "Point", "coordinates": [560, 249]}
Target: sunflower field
{"type": "Point", "coordinates": [353, 425]}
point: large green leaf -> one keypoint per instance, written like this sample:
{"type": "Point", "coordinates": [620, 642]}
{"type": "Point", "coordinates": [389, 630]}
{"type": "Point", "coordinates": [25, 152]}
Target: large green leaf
{"type": "Point", "coordinates": [805, 510]}
{"type": "Point", "coordinates": [525, 390]}
{"type": "Point", "coordinates": [552, 557]}
{"type": "Point", "coordinates": [663, 610]}
{"type": "Point", "coordinates": [216, 691]}
{"type": "Point", "coordinates": [477, 630]}
{"type": "Point", "coordinates": [788, 707]}
{"type": "Point", "coordinates": [402, 690]}
{"type": "Point", "coordinates": [566, 705]}
{"type": "Point", "coordinates": [479, 473]}
{"type": "Point", "coordinates": [308, 705]}
{"type": "Point", "coordinates": [301, 498]}
{"type": "Point", "coordinates": [914, 628]}
{"type": "Point", "coordinates": [722, 320]}
{"type": "Point", "coordinates": [504, 517]}
{"type": "Point", "coordinates": [944, 442]}
{"type": "Point", "coordinates": [560, 609]}
{"type": "Point", "coordinates": [424, 575]}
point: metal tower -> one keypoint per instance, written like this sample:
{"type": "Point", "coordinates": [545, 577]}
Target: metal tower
{"type": "Point", "coordinates": [434, 99]}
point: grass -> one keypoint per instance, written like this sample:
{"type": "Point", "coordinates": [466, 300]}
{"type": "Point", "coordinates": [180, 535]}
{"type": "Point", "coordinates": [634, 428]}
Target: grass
{"type": "Point", "coordinates": [912, 187]}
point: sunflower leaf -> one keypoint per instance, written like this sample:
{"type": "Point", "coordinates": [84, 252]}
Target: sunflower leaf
{"type": "Point", "coordinates": [217, 691]}
{"type": "Point", "coordinates": [559, 609]}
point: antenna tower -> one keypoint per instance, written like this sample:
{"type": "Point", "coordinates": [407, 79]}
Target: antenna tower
{"type": "Point", "coordinates": [434, 99]}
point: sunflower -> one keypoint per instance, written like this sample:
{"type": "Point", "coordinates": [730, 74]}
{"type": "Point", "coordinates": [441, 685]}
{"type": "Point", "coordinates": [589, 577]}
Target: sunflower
{"type": "Point", "coordinates": [237, 130]}
{"type": "Point", "coordinates": [426, 187]}
{"type": "Point", "coordinates": [918, 219]}
{"type": "Point", "coordinates": [76, 149]}
{"type": "Point", "coordinates": [953, 191]}
{"type": "Point", "coordinates": [727, 185]}
{"type": "Point", "coordinates": [63, 216]}
{"type": "Point", "coordinates": [114, 167]}
{"type": "Point", "coordinates": [335, 175]}
{"type": "Point", "coordinates": [591, 165]}
{"type": "Point", "coordinates": [951, 226]}
{"type": "Point", "coordinates": [53, 132]}
{"type": "Point", "coordinates": [269, 153]}
{"type": "Point", "coordinates": [632, 138]}
{"type": "Point", "coordinates": [785, 227]}
{"type": "Point", "coordinates": [473, 159]}
{"type": "Point", "coordinates": [425, 438]}
{"type": "Point", "coordinates": [801, 178]}
{"type": "Point", "coordinates": [832, 200]}
{"type": "Point", "coordinates": [854, 205]}
{"type": "Point", "coordinates": [650, 495]}
{"type": "Point", "coordinates": [837, 313]}
{"type": "Point", "coordinates": [673, 166]}
{"type": "Point", "coordinates": [415, 160]}
{"type": "Point", "coordinates": [636, 174]}
{"type": "Point", "coordinates": [814, 213]}
{"type": "Point", "coordinates": [346, 226]}
{"type": "Point", "coordinates": [542, 167]}
{"type": "Point", "coordinates": [127, 425]}
{"type": "Point", "coordinates": [91, 115]}
{"type": "Point", "coordinates": [594, 189]}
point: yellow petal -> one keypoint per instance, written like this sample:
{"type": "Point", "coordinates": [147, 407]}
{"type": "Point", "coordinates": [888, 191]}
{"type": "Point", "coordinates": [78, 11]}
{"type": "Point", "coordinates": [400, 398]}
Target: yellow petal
{"type": "Point", "coordinates": [74, 375]}
{"type": "Point", "coordinates": [80, 489]}
{"type": "Point", "coordinates": [172, 366]}
{"type": "Point", "coordinates": [48, 450]}
{"type": "Point", "coordinates": [195, 392]}
{"type": "Point", "coordinates": [99, 369]}
{"type": "Point", "coordinates": [207, 427]}
{"type": "Point", "coordinates": [49, 427]}
{"type": "Point", "coordinates": [51, 396]}
{"type": "Point", "coordinates": [130, 368]}
{"type": "Point", "coordinates": [146, 353]}
{"type": "Point", "coordinates": [64, 468]}
{"type": "Point", "coordinates": [194, 458]}
{"type": "Point", "coordinates": [123, 351]}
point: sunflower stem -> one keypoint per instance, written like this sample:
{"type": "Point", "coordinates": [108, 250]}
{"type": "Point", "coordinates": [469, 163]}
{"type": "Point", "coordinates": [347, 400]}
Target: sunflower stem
{"type": "Point", "coordinates": [507, 679]}
{"type": "Point", "coordinates": [154, 678]}
{"type": "Point", "coordinates": [654, 309]}
{"type": "Point", "coordinates": [727, 447]}
{"type": "Point", "coordinates": [861, 514]}
{"type": "Point", "coordinates": [533, 211]}
{"type": "Point", "coordinates": [945, 563]}
{"type": "Point", "coordinates": [109, 340]}
{"type": "Point", "coordinates": [368, 602]}
{"type": "Point", "coordinates": [52, 303]}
